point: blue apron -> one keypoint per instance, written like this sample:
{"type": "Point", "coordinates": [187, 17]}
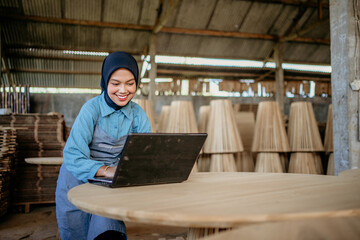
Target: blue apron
{"type": "Point", "coordinates": [72, 222]}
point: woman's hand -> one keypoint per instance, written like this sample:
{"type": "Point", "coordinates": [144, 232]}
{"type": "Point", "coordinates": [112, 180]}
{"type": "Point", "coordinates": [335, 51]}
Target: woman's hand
{"type": "Point", "coordinates": [110, 172]}
{"type": "Point", "coordinates": [106, 171]}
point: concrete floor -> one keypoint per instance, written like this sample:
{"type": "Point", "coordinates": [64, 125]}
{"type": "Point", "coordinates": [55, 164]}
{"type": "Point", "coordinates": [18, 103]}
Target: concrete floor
{"type": "Point", "coordinates": [40, 224]}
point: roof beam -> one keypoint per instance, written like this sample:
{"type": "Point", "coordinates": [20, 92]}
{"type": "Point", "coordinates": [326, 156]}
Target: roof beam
{"type": "Point", "coordinates": [66, 48]}
{"type": "Point", "coordinates": [162, 21]}
{"type": "Point", "coordinates": [201, 32]}
{"type": "Point", "coordinates": [28, 70]}
{"type": "Point", "coordinates": [290, 2]}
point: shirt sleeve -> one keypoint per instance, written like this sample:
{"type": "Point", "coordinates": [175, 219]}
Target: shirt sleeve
{"type": "Point", "coordinates": [141, 121]}
{"type": "Point", "coordinates": [76, 152]}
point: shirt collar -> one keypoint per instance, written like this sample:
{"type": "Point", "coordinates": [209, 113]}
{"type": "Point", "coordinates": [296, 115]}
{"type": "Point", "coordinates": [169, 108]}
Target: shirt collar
{"type": "Point", "coordinates": [107, 110]}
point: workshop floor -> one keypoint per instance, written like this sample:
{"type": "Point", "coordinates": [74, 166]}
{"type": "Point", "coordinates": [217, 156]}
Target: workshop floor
{"type": "Point", "coordinates": [40, 224]}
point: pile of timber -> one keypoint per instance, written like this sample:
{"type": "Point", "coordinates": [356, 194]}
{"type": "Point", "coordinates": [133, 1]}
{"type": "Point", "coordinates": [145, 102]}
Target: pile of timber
{"type": "Point", "coordinates": [38, 135]}
{"type": "Point", "coordinates": [7, 149]}
{"type": "Point", "coordinates": [4, 192]}
{"type": "Point", "coordinates": [7, 165]}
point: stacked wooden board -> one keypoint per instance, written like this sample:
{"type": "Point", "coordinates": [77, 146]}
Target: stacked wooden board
{"type": "Point", "coordinates": [7, 165]}
{"type": "Point", "coordinates": [38, 135]}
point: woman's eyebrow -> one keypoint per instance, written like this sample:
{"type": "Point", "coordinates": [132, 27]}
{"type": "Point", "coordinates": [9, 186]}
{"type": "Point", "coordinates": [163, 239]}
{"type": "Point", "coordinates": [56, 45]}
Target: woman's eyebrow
{"type": "Point", "coordinates": [132, 79]}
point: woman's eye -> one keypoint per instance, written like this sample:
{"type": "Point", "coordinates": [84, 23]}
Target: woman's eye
{"type": "Point", "coordinates": [115, 84]}
{"type": "Point", "coordinates": [130, 84]}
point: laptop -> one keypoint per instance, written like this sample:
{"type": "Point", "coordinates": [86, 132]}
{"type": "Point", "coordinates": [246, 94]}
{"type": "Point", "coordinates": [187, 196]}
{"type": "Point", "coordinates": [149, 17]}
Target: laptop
{"type": "Point", "coordinates": [155, 158]}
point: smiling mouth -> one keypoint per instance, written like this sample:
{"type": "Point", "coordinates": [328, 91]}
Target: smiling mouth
{"type": "Point", "coordinates": [122, 98]}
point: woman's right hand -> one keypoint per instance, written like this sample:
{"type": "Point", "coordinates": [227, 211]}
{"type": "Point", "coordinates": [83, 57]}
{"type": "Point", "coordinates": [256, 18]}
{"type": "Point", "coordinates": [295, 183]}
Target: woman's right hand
{"type": "Point", "coordinates": [106, 171]}
{"type": "Point", "coordinates": [110, 172]}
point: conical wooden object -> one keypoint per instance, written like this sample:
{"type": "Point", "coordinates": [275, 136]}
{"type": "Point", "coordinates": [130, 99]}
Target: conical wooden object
{"type": "Point", "coordinates": [330, 167]}
{"type": "Point", "coordinates": [303, 131]}
{"type": "Point", "coordinates": [270, 134]}
{"type": "Point", "coordinates": [237, 107]}
{"type": "Point", "coordinates": [203, 162]}
{"type": "Point", "coordinates": [181, 118]}
{"type": "Point", "coordinates": [146, 105]}
{"type": "Point", "coordinates": [268, 162]}
{"type": "Point", "coordinates": [164, 119]}
{"type": "Point", "coordinates": [329, 141]}
{"type": "Point", "coordinates": [284, 161]}
{"type": "Point", "coordinates": [244, 162]}
{"type": "Point", "coordinates": [246, 125]}
{"type": "Point", "coordinates": [223, 135]}
{"type": "Point", "coordinates": [224, 162]}
{"type": "Point", "coordinates": [204, 112]}
{"type": "Point", "coordinates": [305, 162]}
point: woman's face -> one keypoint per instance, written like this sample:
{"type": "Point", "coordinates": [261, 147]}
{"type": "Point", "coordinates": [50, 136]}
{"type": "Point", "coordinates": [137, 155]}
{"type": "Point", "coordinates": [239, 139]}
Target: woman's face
{"type": "Point", "coordinates": [121, 86]}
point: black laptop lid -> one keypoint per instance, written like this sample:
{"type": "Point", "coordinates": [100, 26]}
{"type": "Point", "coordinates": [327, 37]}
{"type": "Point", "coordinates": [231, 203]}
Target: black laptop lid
{"type": "Point", "coordinates": [155, 158]}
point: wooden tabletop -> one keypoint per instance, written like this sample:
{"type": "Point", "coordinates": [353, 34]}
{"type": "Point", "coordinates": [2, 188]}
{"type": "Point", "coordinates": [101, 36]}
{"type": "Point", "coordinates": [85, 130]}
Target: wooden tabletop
{"type": "Point", "coordinates": [212, 200]}
{"type": "Point", "coordinates": [344, 228]}
{"type": "Point", "coordinates": [45, 160]}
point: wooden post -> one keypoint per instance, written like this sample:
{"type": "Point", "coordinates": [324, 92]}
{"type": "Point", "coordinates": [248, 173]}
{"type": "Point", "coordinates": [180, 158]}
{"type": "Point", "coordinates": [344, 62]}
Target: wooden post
{"type": "Point", "coordinates": [345, 43]}
{"type": "Point", "coordinates": [152, 73]}
{"type": "Point", "coordinates": [279, 77]}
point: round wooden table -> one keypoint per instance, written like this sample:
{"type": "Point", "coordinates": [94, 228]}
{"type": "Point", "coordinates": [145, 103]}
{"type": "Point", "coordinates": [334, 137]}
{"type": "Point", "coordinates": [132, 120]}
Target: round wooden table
{"type": "Point", "coordinates": [224, 200]}
{"type": "Point", "coordinates": [344, 228]}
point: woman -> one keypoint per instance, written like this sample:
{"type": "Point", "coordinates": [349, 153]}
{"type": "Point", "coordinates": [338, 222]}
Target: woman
{"type": "Point", "coordinates": [94, 144]}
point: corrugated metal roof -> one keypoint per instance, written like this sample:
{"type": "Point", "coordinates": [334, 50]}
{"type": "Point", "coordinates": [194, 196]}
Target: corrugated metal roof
{"type": "Point", "coordinates": [113, 25]}
{"type": "Point", "coordinates": [43, 8]}
{"type": "Point", "coordinates": [83, 10]}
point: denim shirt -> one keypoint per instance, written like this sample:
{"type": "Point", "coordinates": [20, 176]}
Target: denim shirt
{"type": "Point", "coordinates": [76, 154]}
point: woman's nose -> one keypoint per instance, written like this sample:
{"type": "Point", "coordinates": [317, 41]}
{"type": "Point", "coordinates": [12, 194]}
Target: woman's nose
{"type": "Point", "coordinates": [121, 88]}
